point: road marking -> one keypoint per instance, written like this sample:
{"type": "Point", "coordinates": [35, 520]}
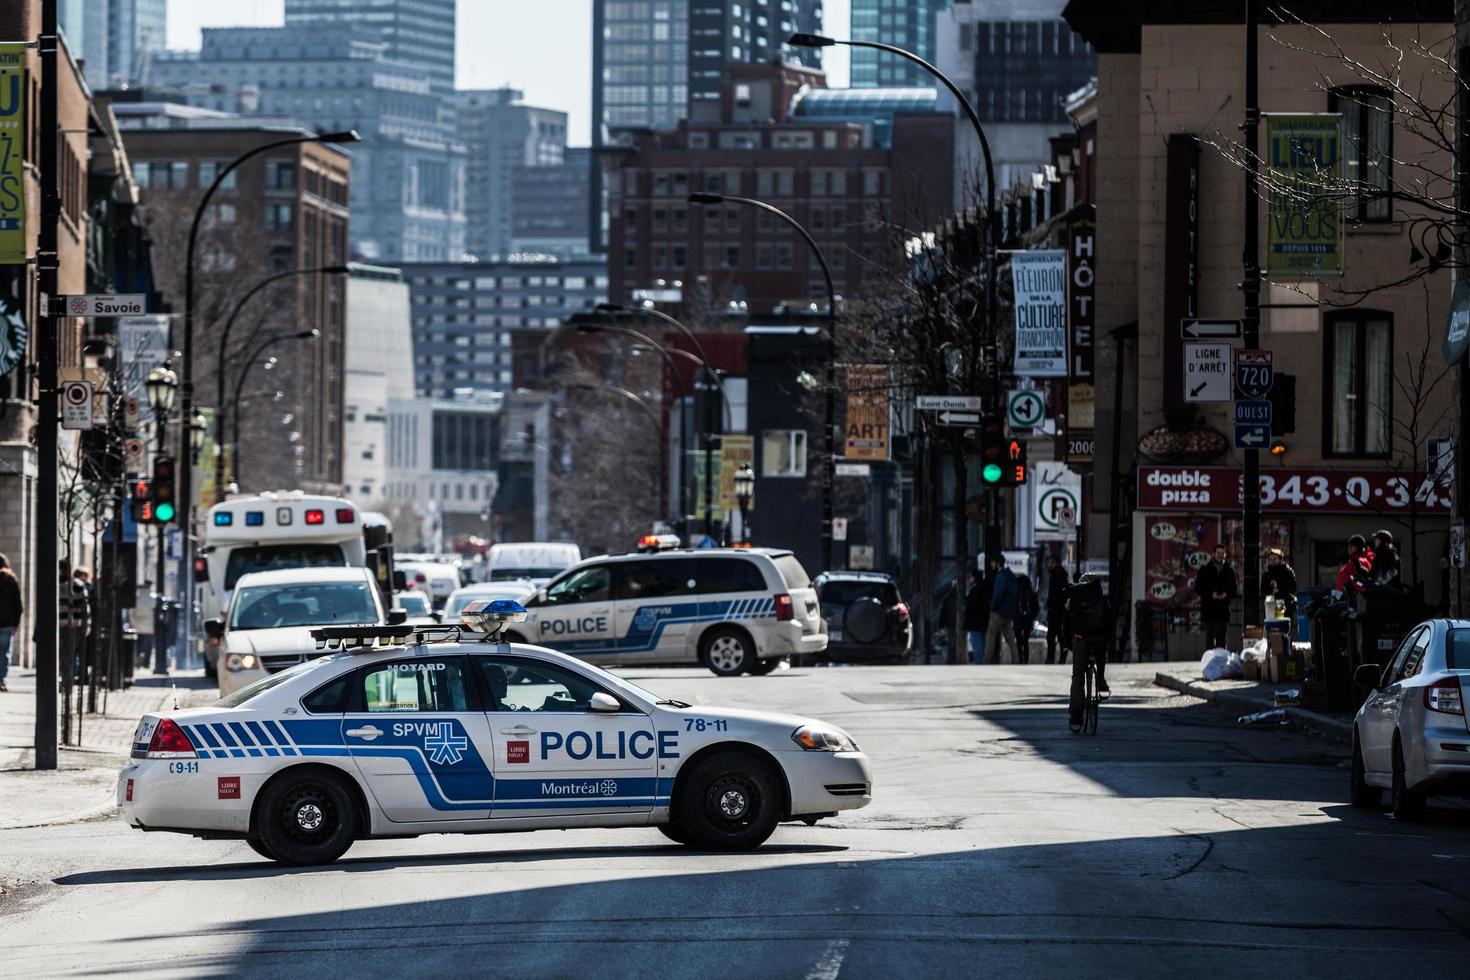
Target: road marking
{"type": "Point", "coordinates": [830, 964]}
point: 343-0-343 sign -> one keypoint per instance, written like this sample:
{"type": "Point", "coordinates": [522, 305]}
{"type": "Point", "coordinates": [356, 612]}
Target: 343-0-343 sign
{"type": "Point", "coordinates": [1220, 488]}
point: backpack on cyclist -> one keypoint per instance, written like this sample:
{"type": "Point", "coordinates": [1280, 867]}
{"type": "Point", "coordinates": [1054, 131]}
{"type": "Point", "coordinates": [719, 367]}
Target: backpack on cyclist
{"type": "Point", "coordinates": [1087, 609]}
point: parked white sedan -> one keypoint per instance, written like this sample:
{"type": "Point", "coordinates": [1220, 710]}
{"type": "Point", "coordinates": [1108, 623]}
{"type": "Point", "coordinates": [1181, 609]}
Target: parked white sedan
{"type": "Point", "coordinates": [1411, 736]}
{"type": "Point", "coordinates": [422, 730]}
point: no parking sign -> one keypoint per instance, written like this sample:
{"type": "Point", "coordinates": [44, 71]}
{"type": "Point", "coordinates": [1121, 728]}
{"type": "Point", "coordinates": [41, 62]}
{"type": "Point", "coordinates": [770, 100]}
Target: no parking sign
{"type": "Point", "coordinates": [76, 405]}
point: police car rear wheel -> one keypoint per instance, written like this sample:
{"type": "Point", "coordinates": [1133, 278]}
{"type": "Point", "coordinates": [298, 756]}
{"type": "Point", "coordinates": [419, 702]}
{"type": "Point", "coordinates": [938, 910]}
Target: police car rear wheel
{"type": "Point", "coordinates": [728, 652]}
{"type": "Point", "coordinates": [729, 803]}
{"type": "Point", "coordinates": [307, 819]}
{"type": "Point", "coordinates": [260, 848]}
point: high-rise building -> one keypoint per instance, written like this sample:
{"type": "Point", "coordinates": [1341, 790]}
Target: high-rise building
{"type": "Point", "coordinates": [550, 215]}
{"type": "Point", "coordinates": [116, 39]}
{"type": "Point", "coordinates": [907, 24]}
{"type": "Point", "coordinates": [408, 171]}
{"type": "Point", "coordinates": [656, 62]}
{"type": "Point", "coordinates": [501, 134]}
{"type": "Point", "coordinates": [418, 32]}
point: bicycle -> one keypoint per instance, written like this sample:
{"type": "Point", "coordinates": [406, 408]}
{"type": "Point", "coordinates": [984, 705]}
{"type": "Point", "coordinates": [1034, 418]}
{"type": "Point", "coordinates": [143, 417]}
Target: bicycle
{"type": "Point", "coordinates": [1091, 697]}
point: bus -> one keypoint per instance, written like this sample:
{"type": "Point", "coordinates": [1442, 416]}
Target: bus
{"type": "Point", "coordinates": [285, 529]}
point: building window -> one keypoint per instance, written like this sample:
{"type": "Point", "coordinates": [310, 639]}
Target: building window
{"type": "Point", "coordinates": [1367, 148]}
{"type": "Point", "coordinates": [280, 217]}
{"type": "Point", "coordinates": [209, 170]}
{"type": "Point", "coordinates": [783, 452]}
{"type": "Point", "coordinates": [280, 176]}
{"type": "Point", "coordinates": [1358, 399]}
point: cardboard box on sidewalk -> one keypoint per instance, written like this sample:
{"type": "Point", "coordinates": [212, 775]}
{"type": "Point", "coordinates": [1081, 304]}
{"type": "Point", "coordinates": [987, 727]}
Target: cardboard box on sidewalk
{"type": "Point", "coordinates": [1284, 664]}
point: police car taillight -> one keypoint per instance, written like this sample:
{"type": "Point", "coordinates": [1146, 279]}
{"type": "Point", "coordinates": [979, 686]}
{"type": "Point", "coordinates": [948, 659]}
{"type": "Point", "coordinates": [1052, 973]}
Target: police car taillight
{"type": "Point", "coordinates": [170, 742]}
{"type": "Point", "coordinates": [784, 608]}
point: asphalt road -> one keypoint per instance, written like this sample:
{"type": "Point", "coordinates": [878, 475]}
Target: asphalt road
{"type": "Point", "coordinates": [998, 844]}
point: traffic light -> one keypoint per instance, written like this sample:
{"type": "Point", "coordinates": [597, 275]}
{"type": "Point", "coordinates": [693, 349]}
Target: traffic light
{"type": "Point", "coordinates": [164, 502]}
{"type": "Point", "coordinates": [140, 499]}
{"type": "Point", "coordinates": [1002, 458]}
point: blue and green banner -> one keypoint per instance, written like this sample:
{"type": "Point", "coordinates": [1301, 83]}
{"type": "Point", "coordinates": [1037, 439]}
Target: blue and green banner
{"type": "Point", "coordinates": [12, 154]}
{"type": "Point", "coordinates": [1304, 218]}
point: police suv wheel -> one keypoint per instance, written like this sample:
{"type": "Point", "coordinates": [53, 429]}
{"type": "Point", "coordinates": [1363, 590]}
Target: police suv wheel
{"type": "Point", "coordinates": [260, 848]}
{"type": "Point", "coordinates": [306, 819]}
{"type": "Point", "coordinates": [673, 832]}
{"type": "Point", "coordinates": [763, 667]}
{"type": "Point", "coordinates": [728, 652]}
{"type": "Point", "coordinates": [730, 802]}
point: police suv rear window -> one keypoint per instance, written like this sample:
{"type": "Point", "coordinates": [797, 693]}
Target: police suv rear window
{"type": "Point", "coordinates": [729, 575]}
{"type": "Point", "coordinates": [792, 572]}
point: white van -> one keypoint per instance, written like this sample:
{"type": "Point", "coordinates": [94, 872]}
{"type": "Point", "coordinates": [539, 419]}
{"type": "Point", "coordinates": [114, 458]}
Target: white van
{"type": "Point", "coordinates": [734, 610]}
{"type": "Point", "coordinates": [536, 561]}
{"type": "Point", "coordinates": [433, 579]}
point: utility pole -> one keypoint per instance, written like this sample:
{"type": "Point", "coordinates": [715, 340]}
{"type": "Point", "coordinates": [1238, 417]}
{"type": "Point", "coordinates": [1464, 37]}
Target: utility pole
{"type": "Point", "coordinates": [1251, 321]}
{"type": "Point", "coordinates": [47, 262]}
{"type": "Point", "coordinates": [1461, 236]}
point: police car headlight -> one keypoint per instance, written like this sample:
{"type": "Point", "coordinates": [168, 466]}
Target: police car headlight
{"type": "Point", "coordinates": [814, 738]}
{"type": "Point", "coordinates": [239, 661]}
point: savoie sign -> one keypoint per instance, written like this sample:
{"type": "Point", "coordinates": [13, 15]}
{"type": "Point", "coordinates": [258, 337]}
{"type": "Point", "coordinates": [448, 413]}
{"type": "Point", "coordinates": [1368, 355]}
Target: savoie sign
{"type": "Point", "coordinates": [1304, 217]}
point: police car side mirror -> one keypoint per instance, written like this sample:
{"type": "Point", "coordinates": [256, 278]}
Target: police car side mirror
{"type": "Point", "coordinates": [604, 702]}
{"type": "Point", "coordinates": [397, 616]}
{"type": "Point", "coordinates": [214, 628]}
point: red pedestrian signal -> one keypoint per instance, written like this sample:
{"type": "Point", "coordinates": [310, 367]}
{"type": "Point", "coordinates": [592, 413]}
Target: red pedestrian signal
{"type": "Point", "coordinates": [140, 501]}
{"type": "Point", "coordinates": [1015, 462]}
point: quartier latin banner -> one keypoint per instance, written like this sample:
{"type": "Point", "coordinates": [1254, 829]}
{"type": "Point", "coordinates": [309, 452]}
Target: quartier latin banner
{"type": "Point", "coordinates": [1039, 280]}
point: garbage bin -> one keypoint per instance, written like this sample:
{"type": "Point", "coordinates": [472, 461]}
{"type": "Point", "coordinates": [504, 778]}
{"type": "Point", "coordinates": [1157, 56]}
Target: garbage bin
{"type": "Point", "coordinates": [1383, 617]}
{"type": "Point", "coordinates": [1331, 659]}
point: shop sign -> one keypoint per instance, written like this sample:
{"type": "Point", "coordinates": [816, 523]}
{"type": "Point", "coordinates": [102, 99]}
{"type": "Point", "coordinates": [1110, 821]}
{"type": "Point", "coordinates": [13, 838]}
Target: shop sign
{"type": "Point", "coordinates": [1081, 293]}
{"type": "Point", "coordinates": [1293, 491]}
{"type": "Point", "coordinates": [867, 412]}
{"type": "Point", "coordinates": [1039, 279]}
{"type": "Point", "coordinates": [1181, 254]}
{"type": "Point", "coordinates": [13, 88]}
{"type": "Point", "coordinates": [1304, 215]}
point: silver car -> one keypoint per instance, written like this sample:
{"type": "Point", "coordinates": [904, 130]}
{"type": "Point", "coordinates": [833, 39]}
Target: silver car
{"type": "Point", "coordinates": [1411, 735]}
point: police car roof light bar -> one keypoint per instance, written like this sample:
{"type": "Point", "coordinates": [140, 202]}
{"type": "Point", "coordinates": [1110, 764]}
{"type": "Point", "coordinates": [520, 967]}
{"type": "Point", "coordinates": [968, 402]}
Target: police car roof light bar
{"type": "Point", "coordinates": [365, 635]}
{"type": "Point", "coordinates": [491, 616]}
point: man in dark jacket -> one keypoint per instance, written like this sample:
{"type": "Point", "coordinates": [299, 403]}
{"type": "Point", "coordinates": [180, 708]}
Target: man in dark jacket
{"type": "Point", "coordinates": [11, 608]}
{"type": "Point", "coordinates": [977, 615]}
{"type": "Point", "coordinates": [1005, 608]}
{"type": "Point", "coordinates": [1086, 618]}
{"type": "Point", "coordinates": [1026, 615]}
{"type": "Point", "coordinates": [1056, 605]}
{"type": "Point", "coordinates": [1215, 586]}
{"type": "Point", "coordinates": [1279, 580]}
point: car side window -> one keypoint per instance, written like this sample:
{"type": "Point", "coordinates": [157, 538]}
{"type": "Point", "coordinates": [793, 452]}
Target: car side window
{"type": "Point", "coordinates": [330, 698]}
{"type": "Point", "coordinates": [588, 585]}
{"type": "Point", "coordinates": [516, 684]}
{"type": "Point", "coordinates": [1391, 674]}
{"type": "Point", "coordinates": [1415, 659]}
{"type": "Point", "coordinates": [415, 685]}
{"type": "Point", "coordinates": [656, 579]}
{"type": "Point", "coordinates": [729, 575]}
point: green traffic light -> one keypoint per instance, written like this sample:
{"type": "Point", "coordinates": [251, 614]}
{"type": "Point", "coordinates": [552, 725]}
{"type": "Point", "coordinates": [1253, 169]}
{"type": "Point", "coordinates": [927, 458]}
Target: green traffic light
{"type": "Point", "coordinates": [165, 512]}
{"type": "Point", "coordinates": [991, 473]}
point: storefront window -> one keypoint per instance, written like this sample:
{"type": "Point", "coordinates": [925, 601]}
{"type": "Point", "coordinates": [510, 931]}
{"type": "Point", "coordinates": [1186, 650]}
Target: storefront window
{"type": "Point", "coordinates": [1358, 402]}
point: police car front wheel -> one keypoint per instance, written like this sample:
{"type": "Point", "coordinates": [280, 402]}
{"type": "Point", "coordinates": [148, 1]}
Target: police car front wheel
{"type": "Point", "coordinates": [730, 802]}
{"type": "Point", "coordinates": [728, 651]}
{"type": "Point", "coordinates": [306, 818]}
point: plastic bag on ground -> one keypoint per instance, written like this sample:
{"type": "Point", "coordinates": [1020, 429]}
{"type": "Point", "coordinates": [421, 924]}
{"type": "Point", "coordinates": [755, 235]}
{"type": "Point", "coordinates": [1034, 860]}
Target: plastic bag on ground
{"type": "Point", "coordinates": [1255, 650]}
{"type": "Point", "coordinates": [1212, 665]}
{"type": "Point", "coordinates": [1234, 668]}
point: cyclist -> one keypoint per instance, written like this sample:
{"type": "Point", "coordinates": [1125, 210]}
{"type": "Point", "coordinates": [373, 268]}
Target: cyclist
{"type": "Point", "coordinates": [1088, 620]}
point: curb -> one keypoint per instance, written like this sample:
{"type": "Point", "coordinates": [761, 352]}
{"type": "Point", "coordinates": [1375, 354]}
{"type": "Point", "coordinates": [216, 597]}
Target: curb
{"type": "Point", "coordinates": [1326, 726]}
{"type": "Point", "coordinates": [75, 816]}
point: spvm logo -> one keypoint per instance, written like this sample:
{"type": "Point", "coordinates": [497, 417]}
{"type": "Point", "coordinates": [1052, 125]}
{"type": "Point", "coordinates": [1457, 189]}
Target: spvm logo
{"type": "Point", "coordinates": [444, 747]}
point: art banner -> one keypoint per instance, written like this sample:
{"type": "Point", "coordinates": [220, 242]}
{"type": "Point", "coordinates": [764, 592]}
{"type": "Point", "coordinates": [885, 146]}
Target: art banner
{"type": "Point", "coordinates": [1039, 279]}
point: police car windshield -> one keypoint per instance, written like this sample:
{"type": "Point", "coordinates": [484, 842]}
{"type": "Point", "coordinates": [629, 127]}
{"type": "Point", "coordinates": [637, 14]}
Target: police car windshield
{"type": "Point", "coordinates": [264, 607]}
{"type": "Point", "coordinates": [266, 683]}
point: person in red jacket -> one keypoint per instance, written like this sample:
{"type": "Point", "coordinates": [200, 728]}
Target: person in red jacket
{"type": "Point", "coordinates": [1354, 571]}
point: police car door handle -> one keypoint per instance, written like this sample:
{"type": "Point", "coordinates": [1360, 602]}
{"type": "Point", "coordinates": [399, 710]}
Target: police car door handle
{"type": "Point", "coordinates": [369, 733]}
{"type": "Point", "coordinates": [518, 730]}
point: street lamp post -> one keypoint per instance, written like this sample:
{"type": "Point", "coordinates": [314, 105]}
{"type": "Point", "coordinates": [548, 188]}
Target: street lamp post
{"type": "Point", "coordinates": [744, 490]}
{"type": "Point", "coordinates": [829, 449]}
{"type": "Point", "coordinates": [264, 346]}
{"type": "Point", "coordinates": [224, 348]}
{"type": "Point", "coordinates": [991, 391]}
{"type": "Point", "coordinates": [161, 388]}
{"type": "Point", "coordinates": [186, 477]}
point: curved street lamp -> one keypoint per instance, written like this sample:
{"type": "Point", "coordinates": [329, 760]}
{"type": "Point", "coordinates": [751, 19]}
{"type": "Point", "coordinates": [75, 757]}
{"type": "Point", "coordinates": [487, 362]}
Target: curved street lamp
{"type": "Point", "coordinates": [161, 387]}
{"type": "Point", "coordinates": [250, 362]}
{"type": "Point", "coordinates": [829, 448]}
{"type": "Point", "coordinates": [744, 490]}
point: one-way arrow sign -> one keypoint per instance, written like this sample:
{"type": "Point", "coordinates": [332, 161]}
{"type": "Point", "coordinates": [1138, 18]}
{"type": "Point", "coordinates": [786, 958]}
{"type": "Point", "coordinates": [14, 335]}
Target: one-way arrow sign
{"type": "Point", "coordinates": [1200, 329]}
{"type": "Point", "coordinates": [959, 418]}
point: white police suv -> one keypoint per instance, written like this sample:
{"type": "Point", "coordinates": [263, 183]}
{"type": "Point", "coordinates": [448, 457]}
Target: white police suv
{"type": "Point", "coordinates": [403, 730]}
{"type": "Point", "coordinates": [735, 610]}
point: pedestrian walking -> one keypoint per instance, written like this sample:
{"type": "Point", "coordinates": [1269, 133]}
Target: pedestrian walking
{"type": "Point", "coordinates": [1215, 586]}
{"type": "Point", "coordinates": [11, 608]}
{"type": "Point", "coordinates": [1026, 620]}
{"type": "Point", "coordinates": [74, 618]}
{"type": "Point", "coordinates": [977, 615]}
{"type": "Point", "coordinates": [1005, 608]}
{"type": "Point", "coordinates": [1056, 608]}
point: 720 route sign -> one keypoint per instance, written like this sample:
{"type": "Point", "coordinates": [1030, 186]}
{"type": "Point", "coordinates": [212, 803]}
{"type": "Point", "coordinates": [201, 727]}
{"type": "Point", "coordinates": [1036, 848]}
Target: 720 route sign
{"type": "Point", "coordinates": [1253, 373]}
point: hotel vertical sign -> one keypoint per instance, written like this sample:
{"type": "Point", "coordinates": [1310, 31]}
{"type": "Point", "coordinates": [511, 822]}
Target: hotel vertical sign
{"type": "Point", "coordinates": [1181, 256]}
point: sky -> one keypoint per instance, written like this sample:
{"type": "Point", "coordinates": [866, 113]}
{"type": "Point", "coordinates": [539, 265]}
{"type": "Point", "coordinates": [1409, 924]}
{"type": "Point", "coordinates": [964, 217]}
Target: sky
{"type": "Point", "coordinates": [542, 47]}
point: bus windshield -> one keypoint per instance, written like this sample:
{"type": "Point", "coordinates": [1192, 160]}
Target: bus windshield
{"type": "Point", "coordinates": [272, 557]}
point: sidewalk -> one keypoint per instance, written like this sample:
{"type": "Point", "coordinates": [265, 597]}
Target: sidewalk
{"type": "Point", "coordinates": [83, 784]}
{"type": "Point", "coordinates": [1246, 697]}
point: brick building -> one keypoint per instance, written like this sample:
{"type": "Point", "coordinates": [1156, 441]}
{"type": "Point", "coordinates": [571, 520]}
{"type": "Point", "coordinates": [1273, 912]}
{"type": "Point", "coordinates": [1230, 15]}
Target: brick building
{"type": "Point", "coordinates": [1169, 242]}
{"type": "Point", "coordinates": [829, 174]}
{"type": "Point", "coordinates": [285, 209]}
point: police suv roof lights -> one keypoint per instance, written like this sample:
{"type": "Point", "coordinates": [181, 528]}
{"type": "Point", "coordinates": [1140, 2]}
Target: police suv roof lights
{"type": "Point", "coordinates": [658, 542]}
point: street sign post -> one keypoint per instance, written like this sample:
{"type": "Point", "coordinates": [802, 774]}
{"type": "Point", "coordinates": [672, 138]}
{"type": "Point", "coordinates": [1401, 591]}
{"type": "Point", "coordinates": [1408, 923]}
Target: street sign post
{"type": "Point", "coordinates": [854, 469]}
{"type": "Point", "coordinates": [1202, 329]}
{"type": "Point", "coordinates": [76, 405]}
{"type": "Point", "coordinates": [1206, 371]}
{"type": "Point", "coordinates": [839, 529]}
{"type": "Point", "coordinates": [1252, 436]}
{"type": "Point", "coordinates": [1253, 413]}
{"type": "Point", "coordinates": [959, 418]}
{"type": "Point", "coordinates": [952, 403]}
{"type": "Point", "coordinates": [1025, 408]}
{"type": "Point", "coordinates": [1253, 373]}
{"type": "Point", "coordinates": [105, 304]}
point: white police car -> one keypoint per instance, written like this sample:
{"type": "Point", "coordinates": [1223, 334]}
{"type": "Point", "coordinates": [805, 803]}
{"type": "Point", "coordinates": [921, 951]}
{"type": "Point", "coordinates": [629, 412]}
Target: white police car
{"type": "Point", "coordinates": [734, 610]}
{"type": "Point", "coordinates": [401, 730]}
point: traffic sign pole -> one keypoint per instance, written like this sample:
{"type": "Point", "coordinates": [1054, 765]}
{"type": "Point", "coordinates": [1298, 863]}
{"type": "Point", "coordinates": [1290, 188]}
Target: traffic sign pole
{"type": "Point", "coordinates": [1251, 321]}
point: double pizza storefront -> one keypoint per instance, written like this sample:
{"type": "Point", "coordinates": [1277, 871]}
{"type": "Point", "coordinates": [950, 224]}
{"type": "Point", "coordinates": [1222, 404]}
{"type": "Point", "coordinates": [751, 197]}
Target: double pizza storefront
{"type": "Point", "coordinates": [1183, 512]}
